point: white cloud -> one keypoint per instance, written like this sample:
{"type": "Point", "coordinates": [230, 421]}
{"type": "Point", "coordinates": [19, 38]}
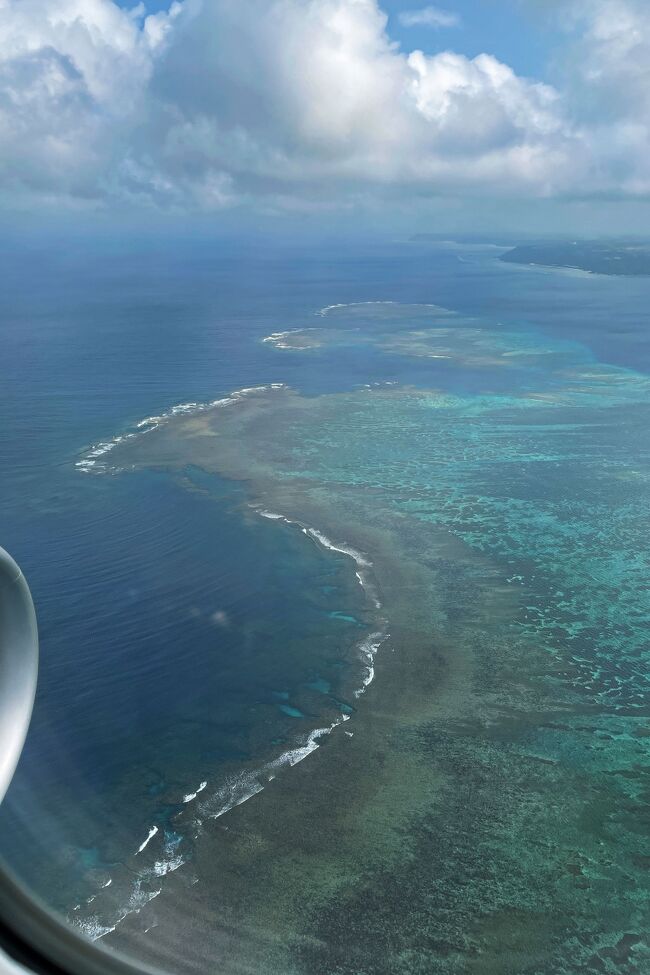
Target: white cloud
{"type": "Point", "coordinates": [607, 86]}
{"type": "Point", "coordinates": [73, 76]}
{"type": "Point", "coordinates": [315, 100]}
{"type": "Point", "coordinates": [300, 103]}
{"type": "Point", "coordinates": [611, 59]}
{"type": "Point", "coordinates": [429, 17]}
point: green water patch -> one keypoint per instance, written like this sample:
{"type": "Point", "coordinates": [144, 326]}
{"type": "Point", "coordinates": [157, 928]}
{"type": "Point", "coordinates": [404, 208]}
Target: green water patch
{"type": "Point", "coordinates": [344, 617]}
{"type": "Point", "coordinates": [291, 711]}
{"type": "Point", "coordinates": [498, 769]}
{"type": "Point", "coordinates": [320, 685]}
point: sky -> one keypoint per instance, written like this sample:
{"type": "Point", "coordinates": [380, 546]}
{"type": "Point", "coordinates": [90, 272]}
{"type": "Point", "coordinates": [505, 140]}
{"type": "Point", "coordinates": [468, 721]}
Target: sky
{"type": "Point", "coordinates": [468, 115]}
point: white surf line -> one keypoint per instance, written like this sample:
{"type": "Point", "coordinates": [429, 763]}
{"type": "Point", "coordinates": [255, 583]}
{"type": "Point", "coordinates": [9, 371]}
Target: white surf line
{"type": "Point", "coordinates": [277, 339]}
{"type": "Point", "coordinates": [150, 423]}
{"type": "Point", "coordinates": [237, 790]}
{"type": "Point", "coordinates": [152, 833]}
{"type": "Point", "coordinates": [162, 867]}
{"type": "Point", "coordinates": [362, 561]}
{"type": "Point", "coordinates": [192, 795]}
{"type": "Point", "coordinates": [241, 787]}
{"type": "Point", "coordinates": [369, 646]}
{"type": "Point", "coordinates": [234, 792]}
{"type": "Point", "coordinates": [322, 312]}
{"type": "Point", "coordinates": [295, 755]}
{"type": "Point", "coordinates": [95, 929]}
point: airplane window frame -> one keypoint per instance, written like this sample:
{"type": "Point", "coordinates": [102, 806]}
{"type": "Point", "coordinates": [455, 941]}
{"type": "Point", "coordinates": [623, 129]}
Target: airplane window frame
{"type": "Point", "coordinates": [30, 934]}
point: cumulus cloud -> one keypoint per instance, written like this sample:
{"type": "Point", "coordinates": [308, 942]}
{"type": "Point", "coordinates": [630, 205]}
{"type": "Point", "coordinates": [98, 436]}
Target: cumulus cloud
{"type": "Point", "coordinates": [303, 103]}
{"type": "Point", "coordinates": [73, 76]}
{"type": "Point", "coordinates": [429, 17]}
{"type": "Point", "coordinates": [607, 79]}
{"type": "Point", "coordinates": [314, 100]}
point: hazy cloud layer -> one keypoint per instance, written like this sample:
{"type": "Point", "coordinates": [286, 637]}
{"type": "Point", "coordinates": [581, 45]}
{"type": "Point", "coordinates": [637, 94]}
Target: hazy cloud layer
{"type": "Point", "coordinates": [429, 17]}
{"type": "Point", "coordinates": [290, 104]}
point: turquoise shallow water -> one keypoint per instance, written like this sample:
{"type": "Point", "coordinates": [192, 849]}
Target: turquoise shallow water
{"type": "Point", "coordinates": [551, 480]}
{"type": "Point", "coordinates": [186, 639]}
{"type": "Point", "coordinates": [545, 488]}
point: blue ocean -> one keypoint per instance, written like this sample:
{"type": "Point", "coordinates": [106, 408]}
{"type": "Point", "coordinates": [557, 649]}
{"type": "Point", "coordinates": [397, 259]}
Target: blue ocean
{"type": "Point", "coordinates": [183, 638]}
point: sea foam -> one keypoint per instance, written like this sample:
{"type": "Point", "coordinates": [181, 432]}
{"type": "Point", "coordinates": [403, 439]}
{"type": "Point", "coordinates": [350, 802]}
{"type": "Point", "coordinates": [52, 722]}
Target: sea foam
{"type": "Point", "coordinates": [323, 312]}
{"type": "Point", "coordinates": [152, 833]}
{"type": "Point", "coordinates": [192, 795]}
{"type": "Point", "coordinates": [369, 645]}
{"type": "Point", "coordinates": [279, 339]}
{"type": "Point", "coordinates": [92, 463]}
{"type": "Point", "coordinates": [239, 788]}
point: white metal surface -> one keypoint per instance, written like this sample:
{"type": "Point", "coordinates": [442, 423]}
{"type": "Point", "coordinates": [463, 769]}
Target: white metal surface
{"type": "Point", "coordinates": [18, 665]}
{"type": "Point", "coordinates": [9, 967]}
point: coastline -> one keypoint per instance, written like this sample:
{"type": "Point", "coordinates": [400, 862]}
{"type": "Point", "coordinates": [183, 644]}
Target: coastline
{"type": "Point", "coordinates": [428, 836]}
{"type": "Point", "coordinates": [237, 786]}
{"type": "Point", "coordinates": [375, 780]}
{"type": "Point", "coordinates": [296, 872]}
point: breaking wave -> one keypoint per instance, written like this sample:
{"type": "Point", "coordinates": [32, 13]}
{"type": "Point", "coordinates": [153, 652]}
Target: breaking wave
{"type": "Point", "coordinates": [92, 463]}
{"type": "Point", "coordinates": [159, 850]}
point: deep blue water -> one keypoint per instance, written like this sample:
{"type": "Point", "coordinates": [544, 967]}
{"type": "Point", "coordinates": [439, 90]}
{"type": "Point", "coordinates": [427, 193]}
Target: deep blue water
{"type": "Point", "coordinates": [178, 632]}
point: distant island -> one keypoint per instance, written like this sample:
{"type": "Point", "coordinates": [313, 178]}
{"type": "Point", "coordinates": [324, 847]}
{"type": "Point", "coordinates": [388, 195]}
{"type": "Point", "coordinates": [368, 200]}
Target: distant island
{"type": "Point", "coordinates": [597, 257]}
